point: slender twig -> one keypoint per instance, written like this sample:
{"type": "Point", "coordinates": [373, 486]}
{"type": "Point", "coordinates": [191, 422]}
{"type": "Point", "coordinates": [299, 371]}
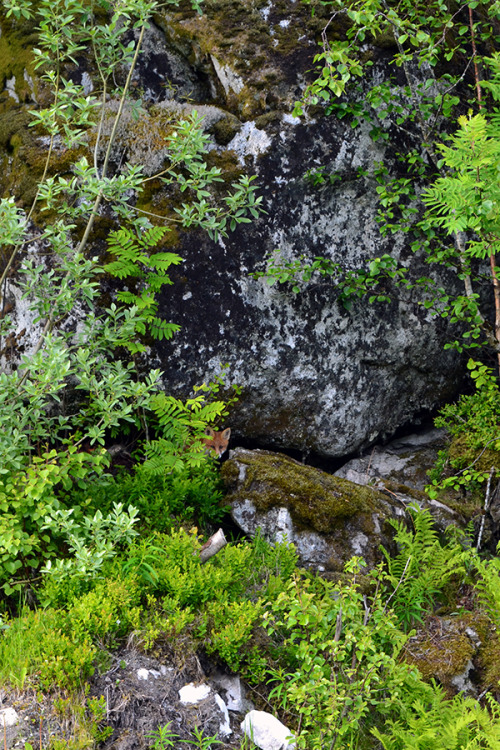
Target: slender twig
{"type": "Point", "coordinates": [474, 58]}
{"type": "Point", "coordinates": [486, 506]}
{"type": "Point", "coordinates": [338, 626]}
{"type": "Point", "coordinates": [112, 137]}
{"type": "Point", "coordinates": [403, 574]}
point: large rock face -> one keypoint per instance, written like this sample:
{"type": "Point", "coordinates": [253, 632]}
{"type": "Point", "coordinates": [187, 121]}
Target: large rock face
{"type": "Point", "coordinates": [315, 377]}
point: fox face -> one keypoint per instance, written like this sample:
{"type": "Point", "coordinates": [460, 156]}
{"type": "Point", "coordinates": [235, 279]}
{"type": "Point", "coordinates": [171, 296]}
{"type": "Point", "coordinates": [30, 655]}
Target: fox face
{"type": "Point", "coordinates": [216, 442]}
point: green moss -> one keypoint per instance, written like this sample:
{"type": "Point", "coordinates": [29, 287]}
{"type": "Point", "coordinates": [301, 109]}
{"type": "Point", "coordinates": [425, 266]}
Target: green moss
{"type": "Point", "coordinates": [264, 51]}
{"type": "Point", "coordinates": [463, 452]}
{"type": "Point", "coordinates": [490, 663]}
{"type": "Point", "coordinates": [443, 647]}
{"type": "Point", "coordinates": [264, 120]}
{"type": "Point", "coordinates": [225, 129]}
{"type": "Point", "coordinates": [315, 499]}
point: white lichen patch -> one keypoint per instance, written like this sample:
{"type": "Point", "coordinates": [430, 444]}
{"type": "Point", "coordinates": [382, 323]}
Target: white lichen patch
{"type": "Point", "coordinates": [10, 86]}
{"type": "Point", "coordinates": [250, 141]}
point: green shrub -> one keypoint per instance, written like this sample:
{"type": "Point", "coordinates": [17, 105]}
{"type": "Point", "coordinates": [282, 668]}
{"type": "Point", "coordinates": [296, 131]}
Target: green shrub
{"type": "Point", "coordinates": [163, 500]}
{"type": "Point", "coordinates": [473, 423]}
{"type": "Point", "coordinates": [59, 646]}
{"type": "Point", "coordinates": [43, 424]}
{"type": "Point", "coordinates": [42, 645]}
{"type": "Point", "coordinates": [339, 659]}
{"type": "Point", "coordinates": [217, 604]}
{"type": "Point", "coordinates": [110, 611]}
{"type": "Point", "coordinates": [231, 626]}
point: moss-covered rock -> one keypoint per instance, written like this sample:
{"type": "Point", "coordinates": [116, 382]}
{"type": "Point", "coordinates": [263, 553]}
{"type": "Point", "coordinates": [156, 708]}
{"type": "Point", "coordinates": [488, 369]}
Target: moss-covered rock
{"type": "Point", "coordinates": [448, 650]}
{"type": "Point", "coordinates": [490, 664]}
{"type": "Point", "coordinates": [328, 519]}
{"type": "Point", "coordinates": [252, 51]}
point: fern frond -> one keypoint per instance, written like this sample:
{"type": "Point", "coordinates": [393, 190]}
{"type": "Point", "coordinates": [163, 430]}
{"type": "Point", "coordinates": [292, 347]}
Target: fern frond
{"type": "Point", "coordinates": [421, 568]}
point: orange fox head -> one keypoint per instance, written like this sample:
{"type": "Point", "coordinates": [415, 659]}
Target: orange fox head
{"type": "Point", "coordinates": [217, 441]}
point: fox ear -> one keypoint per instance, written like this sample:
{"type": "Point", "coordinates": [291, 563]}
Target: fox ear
{"type": "Point", "coordinates": [226, 434]}
{"type": "Point", "coordinates": [209, 431]}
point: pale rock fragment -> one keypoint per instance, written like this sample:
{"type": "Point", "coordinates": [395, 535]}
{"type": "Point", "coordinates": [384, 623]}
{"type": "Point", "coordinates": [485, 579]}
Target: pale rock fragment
{"type": "Point", "coordinates": [191, 693]}
{"type": "Point", "coordinates": [267, 732]}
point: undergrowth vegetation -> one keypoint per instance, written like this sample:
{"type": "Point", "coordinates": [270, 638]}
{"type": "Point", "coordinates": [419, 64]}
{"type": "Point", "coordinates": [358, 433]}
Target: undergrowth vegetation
{"type": "Point", "coordinates": [92, 555]}
{"type": "Point", "coordinates": [330, 655]}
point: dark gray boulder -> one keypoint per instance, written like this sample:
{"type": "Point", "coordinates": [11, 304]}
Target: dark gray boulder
{"type": "Point", "coordinates": [314, 376]}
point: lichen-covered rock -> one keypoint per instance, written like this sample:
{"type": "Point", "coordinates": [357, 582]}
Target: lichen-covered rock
{"type": "Point", "coordinates": [328, 519]}
{"type": "Point", "coordinates": [315, 377]}
{"type": "Point", "coordinates": [406, 460]}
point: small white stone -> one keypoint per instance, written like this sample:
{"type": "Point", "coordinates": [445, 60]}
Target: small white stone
{"type": "Point", "coordinates": [191, 693]}
{"type": "Point", "coordinates": [225, 726]}
{"type": "Point", "coordinates": [8, 717]}
{"type": "Point", "coordinates": [142, 674]}
{"type": "Point", "coordinates": [267, 732]}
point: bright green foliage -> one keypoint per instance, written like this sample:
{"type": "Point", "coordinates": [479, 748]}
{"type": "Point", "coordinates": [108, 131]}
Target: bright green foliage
{"type": "Point", "coordinates": [340, 670]}
{"type": "Point", "coordinates": [134, 262]}
{"type": "Point", "coordinates": [218, 603]}
{"type": "Point", "coordinates": [180, 426]}
{"type": "Point", "coordinates": [73, 388]}
{"type": "Point", "coordinates": [90, 543]}
{"type": "Point", "coordinates": [187, 146]}
{"type": "Point", "coordinates": [232, 624]}
{"type": "Point", "coordinates": [162, 500]}
{"type": "Point", "coordinates": [421, 569]}
{"type": "Point", "coordinates": [232, 573]}
{"type": "Point", "coordinates": [164, 738]}
{"type": "Point", "coordinates": [349, 284]}
{"type": "Point", "coordinates": [60, 647]}
{"type": "Point", "coordinates": [468, 198]}
{"type": "Point", "coordinates": [436, 723]}
{"type": "Point", "coordinates": [474, 425]}
{"type": "Point", "coordinates": [428, 33]}
{"type": "Point", "coordinates": [488, 586]}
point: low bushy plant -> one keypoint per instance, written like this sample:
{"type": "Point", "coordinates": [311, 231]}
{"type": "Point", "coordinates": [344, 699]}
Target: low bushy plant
{"type": "Point", "coordinates": [162, 500]}
{"type": "Point", "coordinates": [339, 653]}
{"type": "Point", "coordinates": [41, 645]}
{"type": "Point", "coordinates": [81, 340]}
{"type": "Point", "coordinates": [473, 423]}
{"type": "Point", "coordinates": [59, 646]}
{"type": "Point", "coordinates": [216, 605]}
{"type": "Point", "coordinates": [434, 723]}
